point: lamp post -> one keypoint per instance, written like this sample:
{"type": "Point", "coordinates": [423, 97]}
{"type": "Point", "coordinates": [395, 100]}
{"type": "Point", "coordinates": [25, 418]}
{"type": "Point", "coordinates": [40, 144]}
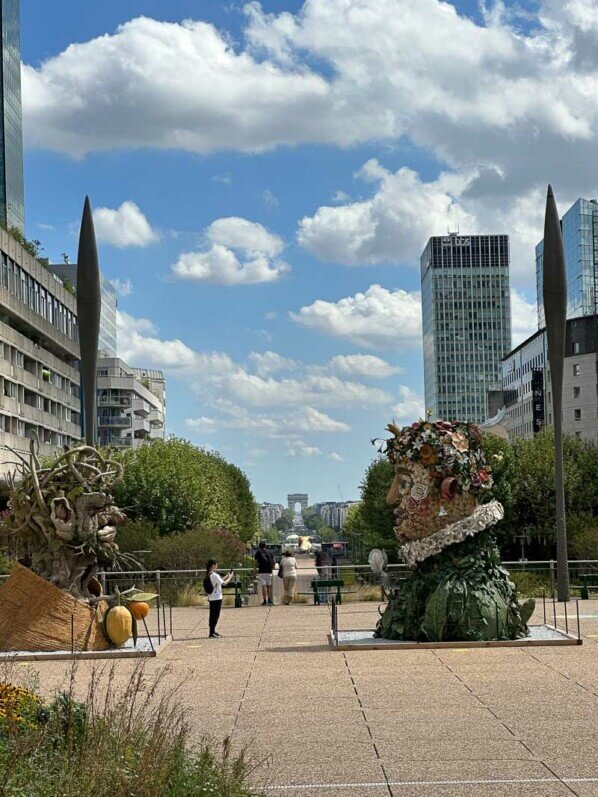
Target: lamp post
{"type": "Point", "coordinates": [555, 312]}
{"type": "Point", "coordinates": [89, 304]}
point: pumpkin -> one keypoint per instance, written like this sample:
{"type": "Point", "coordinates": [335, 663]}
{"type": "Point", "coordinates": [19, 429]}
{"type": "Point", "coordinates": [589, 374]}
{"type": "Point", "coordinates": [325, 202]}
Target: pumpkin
{"type": "Point", "coordinates": [118, 623]}
{"type": "Point", "coordinates": [139, 609]}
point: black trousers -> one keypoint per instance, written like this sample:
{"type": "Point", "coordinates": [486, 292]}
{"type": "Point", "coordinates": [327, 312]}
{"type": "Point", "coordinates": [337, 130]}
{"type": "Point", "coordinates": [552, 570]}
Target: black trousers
{"type": "Point", "coordinates": [215, 607]}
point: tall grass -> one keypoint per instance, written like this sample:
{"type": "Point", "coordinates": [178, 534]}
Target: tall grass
{"type": "Point", "coordinates": [122, 738]}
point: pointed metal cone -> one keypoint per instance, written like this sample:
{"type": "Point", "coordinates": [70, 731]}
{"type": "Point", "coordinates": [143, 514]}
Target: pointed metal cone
{"type": "Point", "coordinates": [89, 303]}
{"type": "Point", "coordinates": [554, 291]}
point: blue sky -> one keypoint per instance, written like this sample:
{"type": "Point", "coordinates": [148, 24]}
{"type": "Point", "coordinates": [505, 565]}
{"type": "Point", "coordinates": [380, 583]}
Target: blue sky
{"type": "Point", "coordinates": [265, 176]}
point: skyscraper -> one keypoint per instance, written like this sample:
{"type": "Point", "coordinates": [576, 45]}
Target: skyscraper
{"type": "Point", "coordinates": [12, 210]}
{"type": "Point", "coordinates": [580, 239]}
{"type": "Point", "coordinates": [466, 312]}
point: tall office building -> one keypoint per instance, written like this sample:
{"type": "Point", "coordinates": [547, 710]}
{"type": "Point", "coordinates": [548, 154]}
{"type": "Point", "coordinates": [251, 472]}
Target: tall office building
{"type": "Point", "coordinates": [580, 239]}
{"type": "Point", "coordinates": [466, 310]}
{"type": "Point", "coordinates": [12, 210]}
{"type": "Point", "coordinates": [107, 338]}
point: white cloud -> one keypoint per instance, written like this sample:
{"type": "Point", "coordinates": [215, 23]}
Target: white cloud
{"type": "Point", "coordinates": [524, 318]}
{"type": "Point", "coordinates": [270, 199]}
{"type": "Point", "coordinates": [376, 318]}
{"type": "Point", "coordinates": [269, 362]}
{"type": "Point", "coordinates": [223, 179]}
{"type": "Point", "coordinates": [410, 406]}
{"type": "Point", "coordinates": [122, 287]}
{"type": "Point", "coordinates": [248, 236]}
{"type": "Point", "coordinates": [125, 226]}
{"type": "Point", "coordinates": [237, 252]}
{"type": "Point", "coordinates": [335, 457]}
{"type": "Point", "coordinates": [340, 196]}
{"type": "Point", "coordinates": [362, 365]}
{"type": "Point", "coordinates": [297, 448]}
{"type": "Point", "coordinates": [304, 420]}
{"type": "Point", "coordinates": [127, 324]}
{"type": "Point", "coordinates": [392, 226]}
{"type": "Point", "coordinates": [43, 226]}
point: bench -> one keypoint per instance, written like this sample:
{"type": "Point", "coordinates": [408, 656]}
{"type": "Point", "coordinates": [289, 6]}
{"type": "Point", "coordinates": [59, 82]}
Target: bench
{"type": "Point", "coordinates": [320, 584]}
{"type": "Point", "coordinates": [586, 586]}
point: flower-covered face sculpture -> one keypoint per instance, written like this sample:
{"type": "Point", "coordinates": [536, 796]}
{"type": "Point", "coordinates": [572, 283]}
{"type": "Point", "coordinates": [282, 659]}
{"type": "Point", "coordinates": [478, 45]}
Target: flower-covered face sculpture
{"type": "Point", "coordinates": [441, 475]}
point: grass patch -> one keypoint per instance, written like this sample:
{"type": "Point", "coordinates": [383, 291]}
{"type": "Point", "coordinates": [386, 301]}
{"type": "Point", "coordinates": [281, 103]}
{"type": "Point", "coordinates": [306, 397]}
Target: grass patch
{"type": "Point", "coordinates": [129, 740]}
{"type": "Point", "coordinates": [530, 584]}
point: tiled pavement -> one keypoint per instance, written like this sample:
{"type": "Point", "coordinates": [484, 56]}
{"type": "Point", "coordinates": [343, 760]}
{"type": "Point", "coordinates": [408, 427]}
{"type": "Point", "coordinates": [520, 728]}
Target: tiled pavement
{"type": "Point", "coordinates": [456, 723]}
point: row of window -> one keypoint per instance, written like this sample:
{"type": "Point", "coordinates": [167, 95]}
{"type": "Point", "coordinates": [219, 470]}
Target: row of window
{"type": "Point", "coordinates": [39, 402]}
{"type": "Point", "coordinates": [26, 288]}
{"type": "Point", "coordinates": [37, 369]}
{"type": "Point", "coordinates": [21, 428]}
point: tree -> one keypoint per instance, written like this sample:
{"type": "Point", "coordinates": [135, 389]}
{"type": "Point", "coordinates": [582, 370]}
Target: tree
{"type": "Point", "coordinates": [177, 486]}
{"type": "Point", "coordinates": [285, 521]}
{"type": "Point", "coordinates": [34, 247]}
{"type": "Point", "coordinates": [375, 514]}
{"type": "Point", "coordinates": [313, 521]}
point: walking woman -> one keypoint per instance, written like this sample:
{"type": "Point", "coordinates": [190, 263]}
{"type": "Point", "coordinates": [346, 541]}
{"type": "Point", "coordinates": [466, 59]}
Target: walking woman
{"type": "Point", "coordinates": [213, 584]}
{"type": "Point", "coordinates": [288, 563]}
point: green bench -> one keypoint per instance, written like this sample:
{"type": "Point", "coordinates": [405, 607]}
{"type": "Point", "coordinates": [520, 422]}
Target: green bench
{"type": "Point", "coordinates": [318, 585]}
{"type": "Point", "coordinates": [586, 585]}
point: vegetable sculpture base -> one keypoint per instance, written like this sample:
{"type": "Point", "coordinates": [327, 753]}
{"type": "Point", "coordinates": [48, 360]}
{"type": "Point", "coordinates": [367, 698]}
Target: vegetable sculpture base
{"type": "Point", "coordinates": [444, 512]}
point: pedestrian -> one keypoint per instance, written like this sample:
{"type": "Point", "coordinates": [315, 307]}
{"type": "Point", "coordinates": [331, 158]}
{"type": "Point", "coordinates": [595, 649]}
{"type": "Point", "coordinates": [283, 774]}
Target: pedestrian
{"type": "Point", "coordinates": [319, 561]}
{"type": "Point", "coordinates": [213, 583]}
{"type": "Point", "coordinates": [265, 565]}
{"type": "Point", "coordinates": [288, 565]}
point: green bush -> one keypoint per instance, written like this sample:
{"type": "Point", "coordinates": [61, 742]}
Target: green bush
{"type": "Point", "coordinates": [191, 549]}
{"type": "Point", "coordinates": [530, 584]}
{"type": "Point", "coordinates": [128, 741]}
{"type": "Point", "coordinates": [582, 535]}
{"type": "Point", "coordinates": [137, 535]}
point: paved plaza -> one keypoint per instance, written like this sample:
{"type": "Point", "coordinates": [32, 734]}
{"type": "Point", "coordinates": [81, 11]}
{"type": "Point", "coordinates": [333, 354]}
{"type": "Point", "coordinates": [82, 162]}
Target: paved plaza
{"type": "Point", "coordinates": [377, 723]}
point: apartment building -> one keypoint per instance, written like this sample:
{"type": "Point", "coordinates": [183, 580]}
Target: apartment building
{"type": "Point", "coordinates": [129, 412]}
{"type": "Point", "coordinates": [39, 357]}
{"type": "Point", "coordinates": [269, 514]}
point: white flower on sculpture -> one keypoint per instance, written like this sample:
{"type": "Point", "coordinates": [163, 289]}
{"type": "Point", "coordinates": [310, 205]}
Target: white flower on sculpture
{"type": "Point", "coordinates": [419, 492]}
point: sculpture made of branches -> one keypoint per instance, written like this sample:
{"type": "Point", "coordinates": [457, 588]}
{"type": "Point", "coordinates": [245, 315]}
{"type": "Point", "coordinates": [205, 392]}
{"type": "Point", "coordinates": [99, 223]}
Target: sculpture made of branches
{"type": "Point", "coordinates": [64, 516]}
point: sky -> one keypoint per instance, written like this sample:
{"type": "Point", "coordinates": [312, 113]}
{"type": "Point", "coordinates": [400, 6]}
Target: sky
{"type": "Point", "coordinates": [264, 177]}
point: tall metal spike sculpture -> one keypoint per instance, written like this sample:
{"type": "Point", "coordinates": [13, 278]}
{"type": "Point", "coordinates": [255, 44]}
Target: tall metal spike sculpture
{"type": "Point", "coordinates": [88, 312]}
{"type": "Point", "coordinates": [555, 310]}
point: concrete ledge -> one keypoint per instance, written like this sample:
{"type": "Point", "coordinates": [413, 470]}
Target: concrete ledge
{"type": "Point", "coordinates": [540, 635]}
{"type": "Point", "coordinates": [143, 650]}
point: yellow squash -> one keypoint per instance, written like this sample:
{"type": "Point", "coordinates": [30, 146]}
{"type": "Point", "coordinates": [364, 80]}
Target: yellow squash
{"type": "Point", "coordinates": [118, 622]}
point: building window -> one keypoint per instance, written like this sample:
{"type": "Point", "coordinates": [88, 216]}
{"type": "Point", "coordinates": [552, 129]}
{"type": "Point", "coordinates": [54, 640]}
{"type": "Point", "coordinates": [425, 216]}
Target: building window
{"type": "Point", "coordinates": [578, 435]}
{"type": "Point", "coordinates": [576, 369]}
{"type": "Point", "coordinates": [578, 415]}
{"type": "Point", "coordinates": [576, 392]}
{"type": "Point", "coordinates": [576, 347]}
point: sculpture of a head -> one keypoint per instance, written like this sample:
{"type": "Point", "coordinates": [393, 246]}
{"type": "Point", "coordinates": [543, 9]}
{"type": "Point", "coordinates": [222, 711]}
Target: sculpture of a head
{"type": "Point", "coordinates": [441, 475]}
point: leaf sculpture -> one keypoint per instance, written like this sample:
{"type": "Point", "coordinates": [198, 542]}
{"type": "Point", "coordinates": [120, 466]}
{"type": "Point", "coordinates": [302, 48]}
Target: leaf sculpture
{"type": "Point", "coordinates": [64, 517]}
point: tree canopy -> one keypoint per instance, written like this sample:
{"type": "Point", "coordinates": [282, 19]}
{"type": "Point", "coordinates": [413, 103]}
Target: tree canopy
{"type": "Point", "coordinates": [177, 486]}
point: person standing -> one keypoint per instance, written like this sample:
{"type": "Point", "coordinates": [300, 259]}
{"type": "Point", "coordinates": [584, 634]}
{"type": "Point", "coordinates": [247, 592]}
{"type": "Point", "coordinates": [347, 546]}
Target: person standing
{"type": "Point", "coordinates": [265, 565]}
{"type": "Point", "coordinates": [288, 563]}
{"type": "Point", "coordinates": [213, 583]}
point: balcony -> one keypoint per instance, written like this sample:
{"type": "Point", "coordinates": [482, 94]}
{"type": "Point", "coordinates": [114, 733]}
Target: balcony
{"type": "Point", "coordinates": [120, 421]}
{"type": "Point", "coordinates": [116, 442]}
{"type": "Point", "coordinates": [141, 408]}
{"type": "Point", "coordinates": [156, 419]}
{"type": "Point", "coordinates": [114, 401]}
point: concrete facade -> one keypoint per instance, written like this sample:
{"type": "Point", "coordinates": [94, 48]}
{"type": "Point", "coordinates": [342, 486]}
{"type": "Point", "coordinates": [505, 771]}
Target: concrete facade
{"type": "Point", "coordinates": [334, 513]}
{"type": "Point", "coordinates": [269, 514]}
{"type": "Point", "coordinates": [39, 357]}
{"type": "Point", "coordinates": [527, 392]}
{"type": "Point", "coordinates": [129, 412]}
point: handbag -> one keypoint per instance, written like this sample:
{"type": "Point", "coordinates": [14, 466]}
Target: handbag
{"type": "Point", "coordinates": [280, 574]}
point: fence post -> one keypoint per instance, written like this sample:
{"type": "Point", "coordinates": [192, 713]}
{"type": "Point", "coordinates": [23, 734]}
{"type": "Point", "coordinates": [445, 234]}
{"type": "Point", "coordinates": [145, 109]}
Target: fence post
{"type": "Point", "coordinates": [552, 577]}
{"type": "Point", "coordinates": [158, 581]}
{"type": "Point", "coordinates": [103, 582]}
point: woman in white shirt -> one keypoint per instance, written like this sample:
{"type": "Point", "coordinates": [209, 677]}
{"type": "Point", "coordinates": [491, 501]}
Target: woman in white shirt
{"type": "Point", "coordinates": [213, 584]}
{"type": "Point", "coordinates": [288, 565]}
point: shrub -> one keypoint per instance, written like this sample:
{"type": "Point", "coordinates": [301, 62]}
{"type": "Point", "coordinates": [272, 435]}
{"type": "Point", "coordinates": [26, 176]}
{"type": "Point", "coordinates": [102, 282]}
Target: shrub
{"type": "Point", "coordinates": [530, 584]}
{"type": "Point", "coordinates": [137, 535]}
{"type": "Point", "coordinates": [191, 549]}
{"type": "Point", "coordinates": [582, 533]}
{"type": "Point", "coordinates": [128, 741]}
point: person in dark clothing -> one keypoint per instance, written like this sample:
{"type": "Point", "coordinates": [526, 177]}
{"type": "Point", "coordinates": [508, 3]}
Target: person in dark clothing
{"type": "Point", "coordinates": [264, 564]}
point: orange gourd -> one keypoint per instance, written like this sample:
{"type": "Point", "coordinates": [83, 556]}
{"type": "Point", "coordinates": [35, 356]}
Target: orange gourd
{"type": "Point", "coordinates": [139, 609]}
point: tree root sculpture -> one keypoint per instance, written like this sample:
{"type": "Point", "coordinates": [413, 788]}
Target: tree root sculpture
{"type": "Point", "coordinates": [64, 516]}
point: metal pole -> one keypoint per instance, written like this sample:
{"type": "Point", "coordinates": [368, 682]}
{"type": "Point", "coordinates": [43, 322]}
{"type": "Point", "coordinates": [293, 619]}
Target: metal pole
{"type": "Point", "coordinates": [164, 618]}
{"type": "Point", "coordinates": [72, 634]}
{"type": "Point", "coordinates": [554, 609]}
{"type": "Point", "coordinates": [158, 610]}
{"type": "Point", "coordinates": [170, 612]}
{"type": "Point", "coordinates": [578, 627]}
{"type": "Point", "coordinates": [544, 604]}
{"type": "Point", "coordinates": [554, 276]}
{"type": "Point", "coordinates": [566, 619]}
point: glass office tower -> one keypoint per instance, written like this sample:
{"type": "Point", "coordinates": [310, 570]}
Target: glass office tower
{"type": "Point", "coordinates": [466, 310]}
{"type": "Point", "coordinates": [580, 240]}
{"type": "Point", "coordinates": [12, 210]}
